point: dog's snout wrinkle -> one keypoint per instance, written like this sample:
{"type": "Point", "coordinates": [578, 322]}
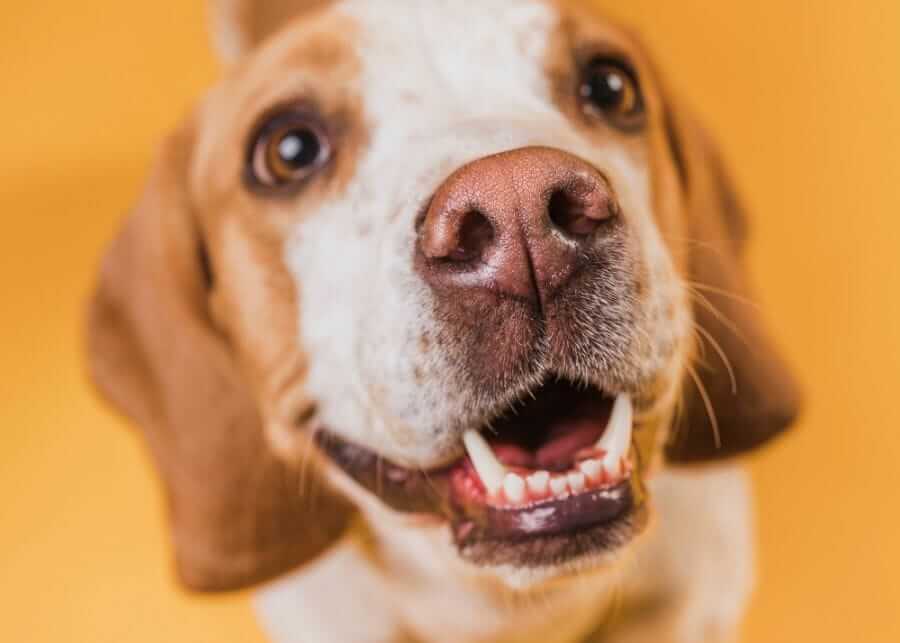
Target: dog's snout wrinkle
{"type": "Point", "coordinates": [515, 223]}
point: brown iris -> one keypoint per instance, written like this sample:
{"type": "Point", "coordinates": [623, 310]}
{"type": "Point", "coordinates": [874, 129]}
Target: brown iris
{"type": "Point", "coordinates": [287, 150]}
{"type": "Point", "coordinates": [609, 89]}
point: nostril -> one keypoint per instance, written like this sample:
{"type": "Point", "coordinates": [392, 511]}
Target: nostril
{"type": "Point", "coordinates": [579, 210]}
{"type": "Point", "coordinates": [569, 214]}
{"type": "Point", "coordinates": [476, 234]}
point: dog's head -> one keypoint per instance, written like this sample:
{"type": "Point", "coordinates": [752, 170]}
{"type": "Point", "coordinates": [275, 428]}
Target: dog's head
{"type": "Point", "coordinates": [464, 260]}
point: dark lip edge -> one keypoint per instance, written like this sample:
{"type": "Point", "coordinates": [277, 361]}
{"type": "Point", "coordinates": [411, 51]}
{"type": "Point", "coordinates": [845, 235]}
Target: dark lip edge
{"type": "Point", "coordinates": [598, 497]}
{"type": "Point", "coordinates": [581, 544]}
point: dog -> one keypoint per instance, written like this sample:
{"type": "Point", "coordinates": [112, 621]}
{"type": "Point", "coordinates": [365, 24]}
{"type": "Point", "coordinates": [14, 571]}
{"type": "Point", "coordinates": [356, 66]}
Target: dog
{"type": "Point", "coordinates": [430, 315]}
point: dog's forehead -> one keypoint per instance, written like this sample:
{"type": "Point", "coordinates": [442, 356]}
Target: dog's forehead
{"type": "Point", "coordinates": [452, 52]}
{"type": "Point", "coordinates": [494, 46]}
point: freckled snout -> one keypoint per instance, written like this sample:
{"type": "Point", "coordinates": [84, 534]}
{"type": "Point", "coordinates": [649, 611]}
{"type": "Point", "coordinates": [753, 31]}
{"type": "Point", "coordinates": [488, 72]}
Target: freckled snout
{"type": "Point", "coordinates": [516, 223]}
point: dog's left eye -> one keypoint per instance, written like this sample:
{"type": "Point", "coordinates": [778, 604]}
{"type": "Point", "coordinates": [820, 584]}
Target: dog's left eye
{"type": "Point", "coordinates": [609, 87]}
{"type": "Point", "coordinates": [288, 149]}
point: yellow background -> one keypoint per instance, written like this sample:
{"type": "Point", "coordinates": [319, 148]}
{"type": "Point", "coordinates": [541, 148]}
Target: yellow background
{"type": "Point", "coordinates": [805, 97]}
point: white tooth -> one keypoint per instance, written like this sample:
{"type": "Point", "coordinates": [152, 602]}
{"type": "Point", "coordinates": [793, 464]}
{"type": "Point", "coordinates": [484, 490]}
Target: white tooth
{"type": "Point", "coordinates": [616, 439]}
{"type": "Point", "coordinates": [485, 462]}
{"type": "Point", "coordinates": [592, 469]}
{"type": "Point", "coordinates": [577, 482]}
{"type": "Point", "coordinates": [559, 485]}
{"type": "Point", "coordinates": [514, 487]}
{"type": "Point", "coordinates": [539, 482]}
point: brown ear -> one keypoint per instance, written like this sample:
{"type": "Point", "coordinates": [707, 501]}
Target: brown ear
{"type": "Point", "coordinates": [237, 515]}
{"type": "Point", "coordinates": [743, 382]}
{"type": "Point", "coordinates": [238, 26]}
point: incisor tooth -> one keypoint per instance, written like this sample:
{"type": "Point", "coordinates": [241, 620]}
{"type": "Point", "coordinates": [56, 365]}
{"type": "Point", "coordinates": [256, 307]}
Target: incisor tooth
{"type": "Point", "coordinates": [538, 482]}
{"type": "Point", "coordinates": [577, 482]}
{"type": "Point", "coordinates": [514, 487]}
{"type": "Point", "coordinates": [489, 469]}
{"type": "Point", "coordinates": [558, 485]}
{"type": "Point", "coordinates": [593, 469]}
{"type": "Point", "coordinates": [616, 439]}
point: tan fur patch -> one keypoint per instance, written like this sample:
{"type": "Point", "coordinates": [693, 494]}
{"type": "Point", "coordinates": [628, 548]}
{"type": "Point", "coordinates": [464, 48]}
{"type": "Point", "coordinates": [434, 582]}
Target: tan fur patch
{"type": "Point", "coordinates": [311, 63]}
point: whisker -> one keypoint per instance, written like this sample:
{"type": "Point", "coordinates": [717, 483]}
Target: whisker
{"type": "Point", "coordinates": [701, 299]}
{"type": "Point", "coordinates": [707, 402]}
{"type": "Point", "coordinates": [718, 348]}
{"type": "Point", "coordinates": [721, 291]}
{"type": "Point", "coordinates": [701, 346]}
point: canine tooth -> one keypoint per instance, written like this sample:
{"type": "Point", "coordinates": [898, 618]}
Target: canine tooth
{"type": "Point", "coordinates": [593, 469]}
{"type": "Point", "coordinates": [485, 462]}
{"type": "Point", "coordinates": [577, 481]}
{"type": "Point", "coordinates": [616, 439]}
{"type": "Point", "coordinates": [514, 487]}
{"type": "Point", "coordinates": [538, 482]}
{"type": "Point", "coordinates": [558, 485]}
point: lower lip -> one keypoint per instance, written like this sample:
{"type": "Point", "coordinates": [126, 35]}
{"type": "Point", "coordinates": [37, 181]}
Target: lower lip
{"type": "Point", "coordinates": [550, 517]}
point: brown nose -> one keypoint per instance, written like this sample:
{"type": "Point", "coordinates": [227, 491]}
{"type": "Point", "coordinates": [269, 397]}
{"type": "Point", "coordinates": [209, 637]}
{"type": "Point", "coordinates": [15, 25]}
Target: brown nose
{"type": "Point", "coordinates": [516, 223]}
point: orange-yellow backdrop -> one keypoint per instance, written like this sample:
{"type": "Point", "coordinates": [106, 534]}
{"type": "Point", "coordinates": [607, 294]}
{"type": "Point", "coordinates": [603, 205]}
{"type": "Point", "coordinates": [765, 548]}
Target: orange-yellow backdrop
{"type": "Point", "coordinates": [805, 97]}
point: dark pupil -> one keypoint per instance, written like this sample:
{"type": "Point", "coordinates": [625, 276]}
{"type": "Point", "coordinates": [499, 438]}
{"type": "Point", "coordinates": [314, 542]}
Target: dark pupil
{"type": "Point", "coordinates": [606, 88]}
{"type": "Point", "coordinates": [299, 148]}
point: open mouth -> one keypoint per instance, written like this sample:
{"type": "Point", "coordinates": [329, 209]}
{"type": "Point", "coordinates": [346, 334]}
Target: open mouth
{"type": "Point", "coordinates": [551, 470]}
{"type": "Point", "coordinates": [559, 463]}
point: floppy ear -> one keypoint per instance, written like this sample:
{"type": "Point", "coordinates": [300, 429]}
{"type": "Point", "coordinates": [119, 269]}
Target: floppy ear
{"type": "Point", "coordinates": [743, 381]}
{"type": "Point", "coordinates": [238, 26]}
{"type": "Point", "coordinates": [236, 511]}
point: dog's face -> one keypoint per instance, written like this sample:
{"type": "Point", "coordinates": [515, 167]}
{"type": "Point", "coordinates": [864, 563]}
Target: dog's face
{"type": "Point", "coordinates": [445, 259]}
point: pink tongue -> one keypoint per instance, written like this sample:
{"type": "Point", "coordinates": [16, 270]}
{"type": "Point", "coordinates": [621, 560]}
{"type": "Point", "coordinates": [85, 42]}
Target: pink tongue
{"type": "Point", "coordinates": [575, 435]}
{"type": "Point", "coordinates": [512, 455]}
{"type": "Point", "coordinates": [558, 452]}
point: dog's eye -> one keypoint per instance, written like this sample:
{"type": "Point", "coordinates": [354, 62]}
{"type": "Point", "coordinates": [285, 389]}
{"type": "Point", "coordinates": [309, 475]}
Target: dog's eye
{"type": "Point", "coordinates": [609, 87]}
{"type": "Point", "coordinates": [288, 149]}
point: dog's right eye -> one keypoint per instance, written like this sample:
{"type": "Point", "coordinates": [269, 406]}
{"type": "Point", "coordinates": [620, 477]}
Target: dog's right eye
{"type": "Point", "coordinates": [287, 150]}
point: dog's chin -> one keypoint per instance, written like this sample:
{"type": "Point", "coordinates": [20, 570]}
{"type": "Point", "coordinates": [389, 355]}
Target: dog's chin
{"type": "Point", "coordinates": [553, 488]}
